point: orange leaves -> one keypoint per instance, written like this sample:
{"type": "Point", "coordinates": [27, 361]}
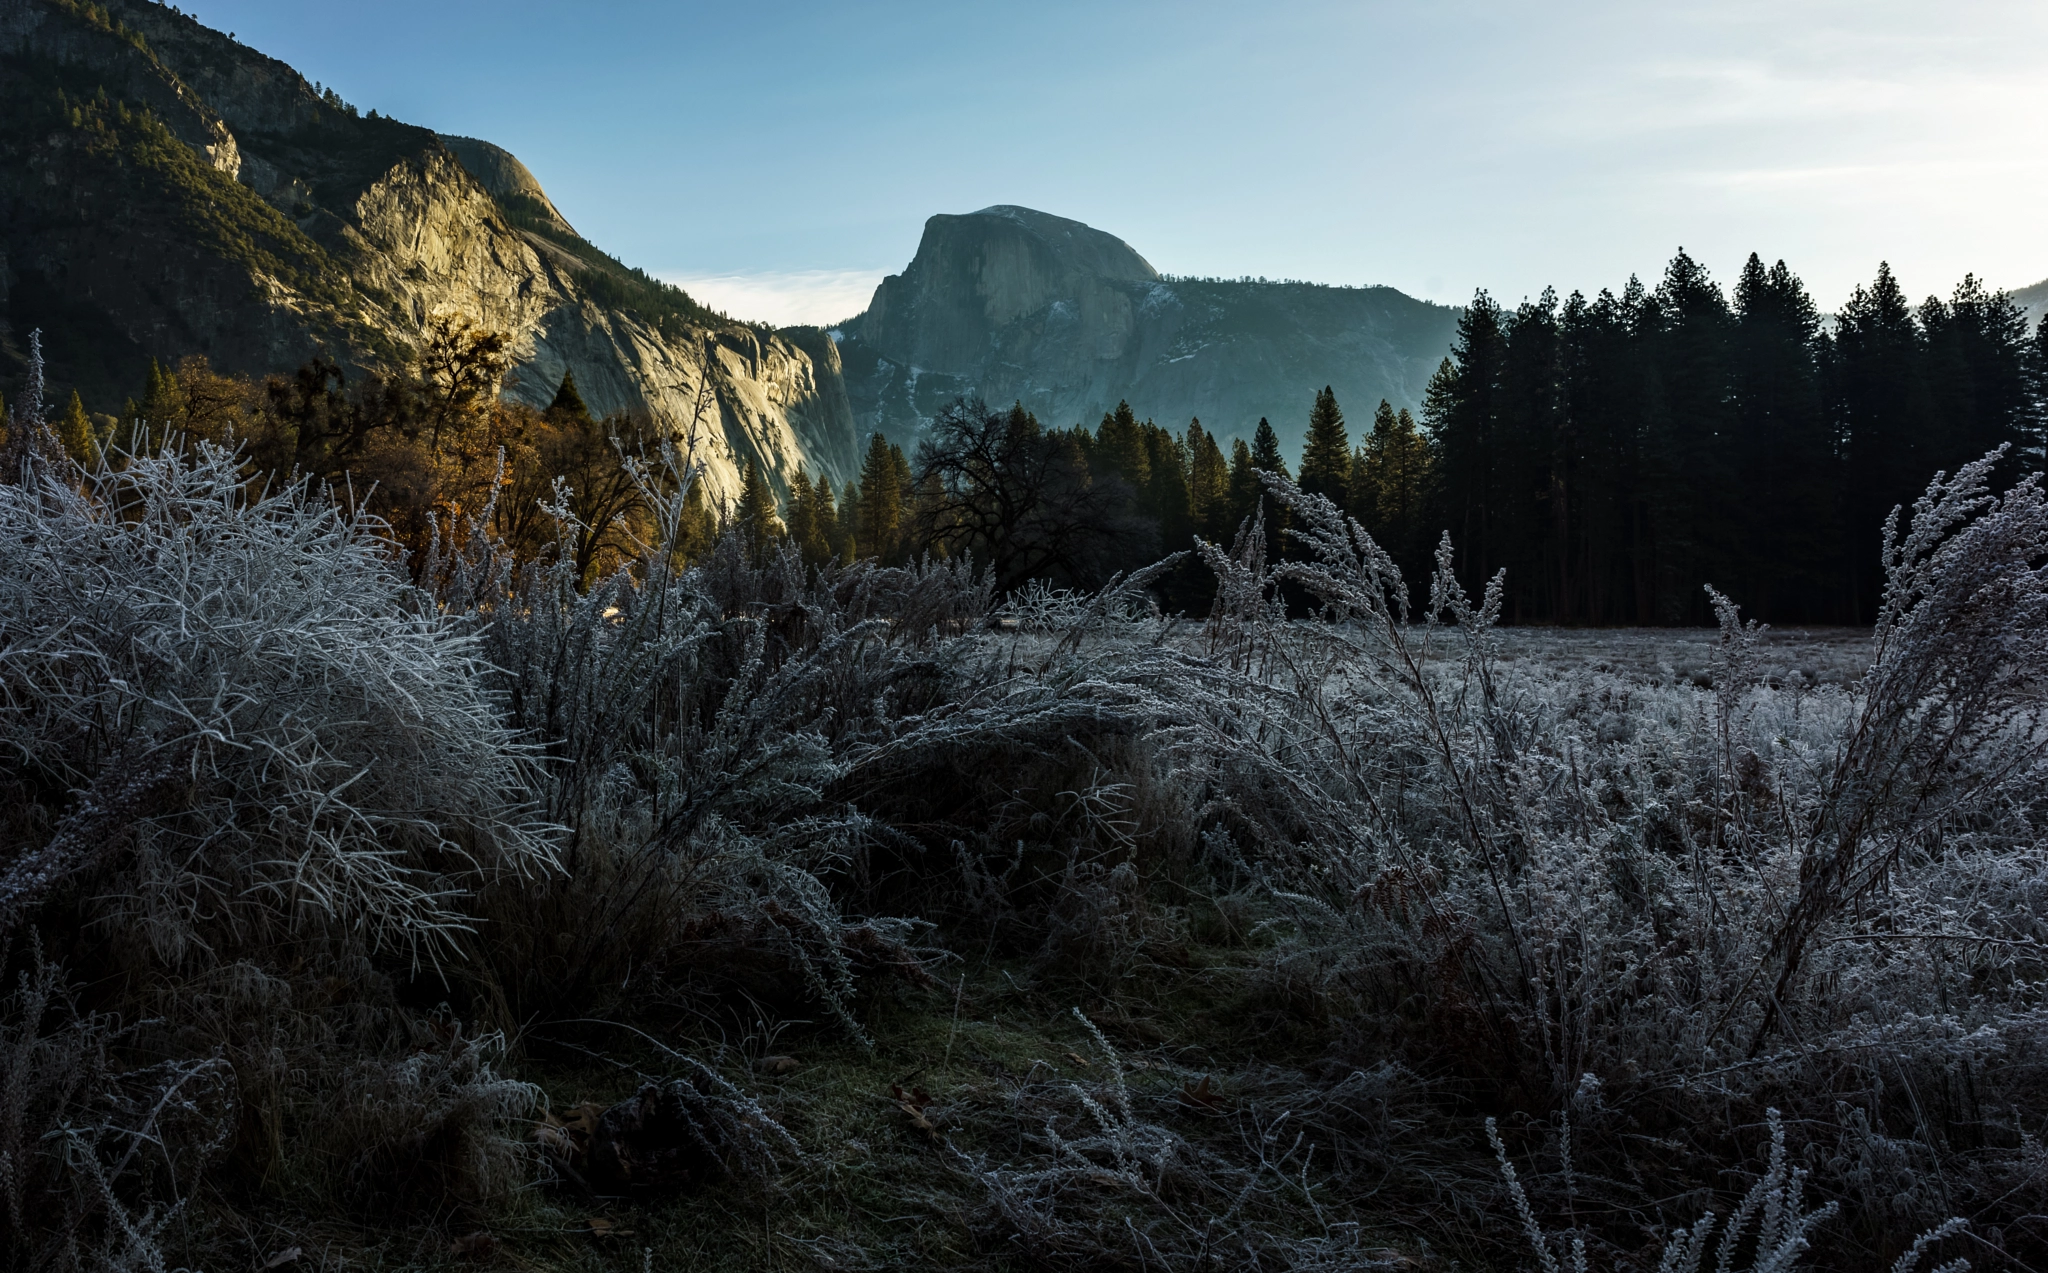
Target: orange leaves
{"type": "Point", "coordinates": [914, 1104]}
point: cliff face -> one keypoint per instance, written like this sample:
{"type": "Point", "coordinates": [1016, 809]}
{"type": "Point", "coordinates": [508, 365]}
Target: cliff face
{"type": "Point", "coordinates": [1014, 305]}
{"type": "Point", "coordinates": [166, 191]}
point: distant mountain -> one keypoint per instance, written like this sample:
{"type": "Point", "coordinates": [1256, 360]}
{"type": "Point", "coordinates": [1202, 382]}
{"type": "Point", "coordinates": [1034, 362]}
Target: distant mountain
{"type": "Point", "coordinates": [1010, 304]}
{"type": "Point", "coordinates": [2033, 301]}
{"type": "Point", "coordinates": [165, 190]}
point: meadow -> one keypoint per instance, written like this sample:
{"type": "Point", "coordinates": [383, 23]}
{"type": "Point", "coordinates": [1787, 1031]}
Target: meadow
{"type": "Point", "coordinates": [737, 913]}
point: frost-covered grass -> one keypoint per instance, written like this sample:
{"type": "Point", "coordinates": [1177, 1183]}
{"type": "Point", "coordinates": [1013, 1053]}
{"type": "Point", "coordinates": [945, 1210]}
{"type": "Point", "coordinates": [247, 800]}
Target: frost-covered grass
{"type": "Point", "coordinates": [1687, 656]}
{"type": "Point", "coordinates": [1100, 939]}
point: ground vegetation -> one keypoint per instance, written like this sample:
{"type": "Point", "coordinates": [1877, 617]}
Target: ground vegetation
{"type": "Point", "coordinates": [413, 897]}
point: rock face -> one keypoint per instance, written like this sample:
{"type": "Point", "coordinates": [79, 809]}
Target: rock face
{"type": "Point", "coordinates": [215, 203]}
{"type": "Point", "coordinates": [504, 177]}
{"type": "Point", "coordinates": [1009, 304]}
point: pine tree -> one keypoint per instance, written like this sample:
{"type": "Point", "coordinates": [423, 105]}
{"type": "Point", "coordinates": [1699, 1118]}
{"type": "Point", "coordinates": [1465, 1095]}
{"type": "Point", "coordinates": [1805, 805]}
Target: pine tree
{"type": "Point", "coordinates": [1120, 448]}
{"type": "Point", "coordinates": [1368, 471]}
{"type": "Point", "coordinates": [1167, 499]}
{"type": "Point", "coordinates": [1244, 490]}
{"type": "Point", "coordinates": [1976, 368]}
{"type": "Point", "coordinates": [824, 523]}
{"type": "Point", "coordinates": [1783, 450]}
{"type": "Point", "coordinates": [906, 504]}
{"type": "Point", "coordinates": [1463, 406]}
{"type": "Point", "coordinates": [75, 431]}
{"type": "Point", "coordinates": [1390, 489]}
{"type": "Point", "coordinates": [882, 494]}
{"type": "Point", "coordinates": [1688, 480]}
{"type": "Point", "coordinates": [1885, 420]}
{"type": "Point", "coordinates": [161, 408]}
{"type": "Point", "coordinates": [846, 541]}
{"type": "Point", "coordinates": [1208, 484]}
{"type": "Point", "coordinates": [798, 523]}
{"type": "Point", "coordinates": [1266, 449]}
{"type": "Point", "coordinates": [1326, 456]}
{"type": "Point", "coordinates": [755, 514]}
{"type": "Point", "coordinates": [568, 403]}
{"type": "Point", "coordinates": [813, 522]}
{"type": "Point", "coordinates": [699, 529]}
{"type": "Point", "coordinates": [2037, 396]}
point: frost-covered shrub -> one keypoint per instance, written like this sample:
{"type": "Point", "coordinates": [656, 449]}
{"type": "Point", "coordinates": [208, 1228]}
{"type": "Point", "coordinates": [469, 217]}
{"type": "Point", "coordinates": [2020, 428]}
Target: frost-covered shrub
{"type": "Point", "coordinates": [1829, 897]}
{"type": "Point", "coordinates": [694, 726]}
{"type": "Point", "coordinates": [421, 1133]}
{"type": "Point", "coordinates": [238, 703]}
{"type": "Point", "coordinates": [96, 1159]}
{"type": "Point", "coordinates": [248, 776]}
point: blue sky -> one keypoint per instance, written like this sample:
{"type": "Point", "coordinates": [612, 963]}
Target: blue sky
{"type": "Point", "coordinates": [778, 158]}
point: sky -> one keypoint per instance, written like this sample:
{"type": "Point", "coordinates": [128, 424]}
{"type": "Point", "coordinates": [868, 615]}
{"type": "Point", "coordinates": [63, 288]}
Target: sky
{"type": "Point", "coordinates": [777, 159]}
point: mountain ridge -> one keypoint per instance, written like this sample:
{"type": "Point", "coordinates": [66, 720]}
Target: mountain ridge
{"type": "Point", "coordinates": [1009, 303]}
{"type": "Point", "coordinates": [169, 191]}
{"type": "Point", "coordinates": [175, 192]}
{"type": "Point", "coordinates": [2032, 300]}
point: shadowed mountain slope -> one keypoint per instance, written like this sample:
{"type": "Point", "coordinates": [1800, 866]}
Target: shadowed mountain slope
{"type": "Point", "coordinates": [166, 191]}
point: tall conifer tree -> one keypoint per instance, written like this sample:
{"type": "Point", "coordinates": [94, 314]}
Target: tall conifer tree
{"type": "Point", "coordinates": [1167, 500]}
{"type": "Point", "coordinates": [1245, 489]}
{"type": "Point", "coordinates": [75, 431]}
{"type": "Point", "coordinates": [1884, 417]}
{"type": "Point", "coordinates": [1248, 492]}
{"type": "Point", "coordinates": [1784, 454]}
{"type": "Point", "coordinates": [756, 514]}
{"type": "Point", "coordinates": [883, 478]}
{"type": "Point", "coordinates": [568, 402]}
{"type": "Point", "coordinates": [1326, 456]}
{"type": "Point", "coordinates": [1120, 449]}
{"type": "Point", "coordinates": [823, 541]}
{"type": "Point", "coordinates": [1208, 484]}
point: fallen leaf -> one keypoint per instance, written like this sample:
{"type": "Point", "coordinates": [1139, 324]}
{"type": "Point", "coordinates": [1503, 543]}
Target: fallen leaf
{"type": "Point", "coordinates": [474, 1244]}
{"type": "Point", "coordinates": [287, 1256]}
{"type": "Point", "coordinates": [1201, 1095]}
{"type": "Point", "coordinates": [581, 1120]}
{"type": "Point", "coordinates": [1076, 1059]}
{"type": "Point", "coordinates": [916, 1096]}
{"type": "Point", "coordinates": [778, 1065]}
{"type": "Point", "coordinates": [918, 1120]}
{"type": "Point", "coordinates": [605, 1227]}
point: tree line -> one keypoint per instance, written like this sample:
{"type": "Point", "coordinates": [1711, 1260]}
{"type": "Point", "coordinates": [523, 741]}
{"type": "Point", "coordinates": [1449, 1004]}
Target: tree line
{"type": "Point", "coordinates": [431, 449]}
{"type": "Point", "coordinates": [1612, 454]}
{"type": "Point", "coordinates": [1072, 506]}
{"type": "Point", "coordinates": [1616, 454]}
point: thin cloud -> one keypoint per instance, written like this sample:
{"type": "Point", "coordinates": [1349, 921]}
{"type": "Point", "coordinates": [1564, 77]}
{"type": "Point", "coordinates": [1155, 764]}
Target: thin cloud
{"type": "Point", "coordinates": [784, 298]}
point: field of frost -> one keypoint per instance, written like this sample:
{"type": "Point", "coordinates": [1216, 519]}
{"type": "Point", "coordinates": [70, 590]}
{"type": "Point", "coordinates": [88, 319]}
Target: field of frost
{"type": "Point", "coordinates": [731, 913]}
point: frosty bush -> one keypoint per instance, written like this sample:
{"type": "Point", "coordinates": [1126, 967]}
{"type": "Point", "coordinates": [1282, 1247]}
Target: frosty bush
{"type": "Point", "coordinates": [250, 775]}
{"type": "Point", "coordinates": [1700, 896]}
{"type": "Point", "coordinates": [96, 1161]}
{"type": "Point", "coordinates": [265, 725]}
